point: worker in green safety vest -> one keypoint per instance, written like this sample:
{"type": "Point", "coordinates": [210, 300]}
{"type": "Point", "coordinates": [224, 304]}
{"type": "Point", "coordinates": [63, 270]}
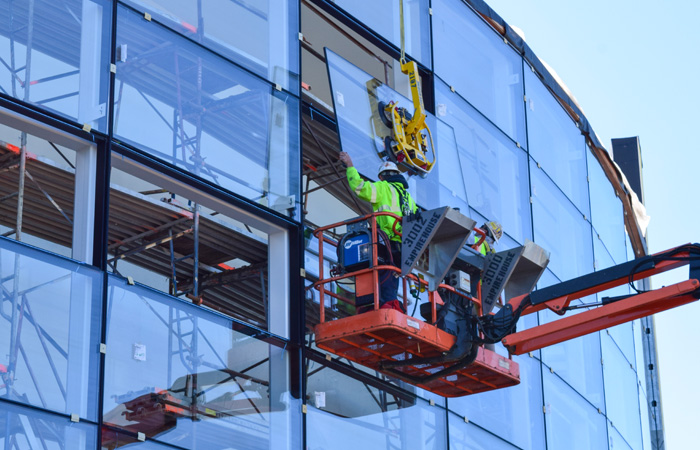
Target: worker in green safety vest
{"type": "Point", "coordinates": [494, 232]}
{"type": "Point", "coordinates": [389, 194]}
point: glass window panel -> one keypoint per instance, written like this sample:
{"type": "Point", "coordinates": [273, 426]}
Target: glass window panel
{"type": "Point", "coordinates": [50, 330]}
{"type": "Point", "coordinates": [556, 143]}
{"type": "Point", "coordinates": [49, 191]}
{"type": "Point", "coordinates": [606, 211]}
{"type": "Point", "coordinates": [467, 436]}
{"type": "Point", "coordinates": [184, 375]}
{"type": "Point", "coordinates": [383, 17]}
{"type": "Point", "coordinates": [362, 136]}
{"type": "Point", "coordinates": [560, 228]}
{"type": "Point", "coordinates": [260, 36]}
{"type": "Point", "coordinates": [62, 49]}
{"type": "Point", "coordinates": [513, 413]}
{"type": "Point", "coordinates": [568, 359]}
{"type": "Point", "coordinates": [345, 413]}
{"type": "Point", "coordinates": [27, 428]}
{"type": "Point", "coordinates": [621, 394]}
{"type": "Point", "coordinates": [155, 239]}
{"type": "Point", "coordinates": [206, 115]}
{"type": "Point", "coordinates": [571, 422]}
{"type": "Point", "coordinates": [494, 169]}
{"type": "Point", "coordinates": [473, 59]}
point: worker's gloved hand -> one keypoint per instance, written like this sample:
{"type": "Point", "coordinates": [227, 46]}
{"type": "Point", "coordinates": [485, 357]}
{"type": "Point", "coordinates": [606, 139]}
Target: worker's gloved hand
{"type": "Point", "coordinates": [345, 159]}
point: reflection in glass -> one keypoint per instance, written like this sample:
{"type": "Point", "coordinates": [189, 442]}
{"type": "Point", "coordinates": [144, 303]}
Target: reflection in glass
{"type": "Point", "coordinates": [345, 414]}
{"type": "Point", "coordinates": [556, 142]}
{"type": "Point", "coordinates": [206, 115]}
{"type": "Point", "coordinates": [621, 394]}
{"type": "Point", "coordinates": [493, 168]}
{"type": "Point", "coordinates": [50, 331]}
{"type": "Point", "coordinates": [28, 428]}
{"type": "Point", "coordinates": [571, 422]}
{"type": "Point", "coordinates": [606, 211]}
{"type": "Point", "coordinates": [473, 59]}
{"type": "Point", "coordinates": [560, 228]}
{"type": "Point", "coordinates": [59, 54]}
{"type": "Point", "coordinates": [383, 17]}
{"type": "Point", "coordinates": [514, 413]}
{"type": "Point", "coordinates": [185, 376]}
{"type": "Point", "coordinates": [260, 36]}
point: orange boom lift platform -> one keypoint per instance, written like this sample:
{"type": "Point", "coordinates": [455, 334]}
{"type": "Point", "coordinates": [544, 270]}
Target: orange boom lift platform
{"type": "Point", "coordinates": [455, 360]}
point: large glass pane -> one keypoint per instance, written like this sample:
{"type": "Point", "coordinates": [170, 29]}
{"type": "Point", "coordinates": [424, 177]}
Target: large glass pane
{"type": "Point", "coordinates": [514, 413]}
{"type": "Point", "coordinates": [474, 60]}
{"type": "Point", "coordinates": [566, 359]}
{"type": "Point", "coordinates": [186, 376]}
{"type": "Point", "coordinates": [384, 16]}
{"type": "Point", "coordinates": [209, 252]}
{"type": "Point", "coordinates": [560, 228]}
{"type": "Point", "coordinates": [260, 36]}
{"type": "Point", "coordinates": [467, 436]}
{"type": "Point", "coordinates": [27, 428]}
{"type": "Point", "coordinates": [49, 338]}
{"type": "Point", "coordinates": [48, 195]}
{"type": "Point", "coordinates": [198, 111]}
{"type": "Point", "coordinates": [345, 413]}
{"type": "Point", "coordinates": [356, 95]}
{"type": "Point", "coordinates": [621, 394]}
{"type": "Point", "coordinates": [639, 332]}
{"type": "Point", "coordinates": [59, 55]}
{"type": "Point", "coordinates": [577, 362]}
{"type": "Point", "coordinates": [606, 211]}
{"type": "Point", "coordinates": [494, 169]}
{"type": "Point", "coordinates": [556, 143]}
{"type": "Point", "coordinates": [572, 423]}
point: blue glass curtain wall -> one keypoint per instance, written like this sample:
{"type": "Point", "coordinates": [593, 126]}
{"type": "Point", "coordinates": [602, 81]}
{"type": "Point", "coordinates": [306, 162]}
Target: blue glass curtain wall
{"type": "Point", "coordinates": [198, 111]}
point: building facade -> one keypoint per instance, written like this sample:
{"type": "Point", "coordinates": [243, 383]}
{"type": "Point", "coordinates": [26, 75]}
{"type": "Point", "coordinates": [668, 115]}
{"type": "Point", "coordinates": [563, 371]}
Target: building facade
{"type": "Point", "coordinates": [162, 167]}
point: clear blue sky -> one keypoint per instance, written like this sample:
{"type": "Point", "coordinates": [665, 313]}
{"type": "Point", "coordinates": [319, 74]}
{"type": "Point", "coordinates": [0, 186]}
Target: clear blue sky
{"type": "Point", "coordinates": [634, 66]}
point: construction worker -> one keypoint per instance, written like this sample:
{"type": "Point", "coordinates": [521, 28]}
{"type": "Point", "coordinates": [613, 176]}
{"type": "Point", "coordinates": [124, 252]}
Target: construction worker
{"type": "Point", "coordinates": [389, 194]}
{"type": "Point", "coordinates": [494, 232]}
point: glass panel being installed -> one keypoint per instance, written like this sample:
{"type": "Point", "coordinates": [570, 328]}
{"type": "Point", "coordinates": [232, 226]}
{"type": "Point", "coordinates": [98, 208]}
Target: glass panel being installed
{"type": "Point", "coordinates": [206, 115]}
{"type": "Point", "coordinates": [356, 96]}
{"type": "Point", "coordinates": [192, 378]}
{"type": "Point", "coordinates": [50, 330]}
{"type": "Point", "coordinates": [56, 55]}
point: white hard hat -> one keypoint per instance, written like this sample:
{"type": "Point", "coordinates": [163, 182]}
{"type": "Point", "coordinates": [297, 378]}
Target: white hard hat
{"type": "Point", "coordinates": [496, 230]}
{"type": "Point", "coordinates": [387, 165]}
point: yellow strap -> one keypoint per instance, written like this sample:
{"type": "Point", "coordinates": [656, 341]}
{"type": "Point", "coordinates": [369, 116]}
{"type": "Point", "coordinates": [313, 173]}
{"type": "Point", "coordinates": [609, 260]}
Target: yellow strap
{"type": "Point", "coordinates": [403, 40]}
